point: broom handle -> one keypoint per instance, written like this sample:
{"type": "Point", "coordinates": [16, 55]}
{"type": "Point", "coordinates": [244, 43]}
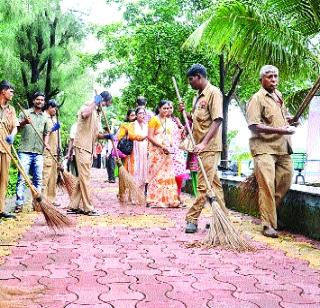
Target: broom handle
{"type": "Point", "coordinates": [109, 131]}
{"type": "Point", "coordinates": [191, 136]}
{"type": "Point", "coordinates": [307, 100]}
{"type": "Point", "coordinates": [38, 134]}
{"type": "Point", "coordinates": [20, 168]}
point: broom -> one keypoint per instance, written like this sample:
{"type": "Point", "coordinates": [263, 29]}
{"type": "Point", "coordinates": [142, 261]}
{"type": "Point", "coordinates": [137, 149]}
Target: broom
{"type": "Point", "coordinates": [249, 187]}
{"type": "Point", "coordinates": [221, 232]}
{"type": "Point", "coordinates": [69, 182]}
{"type": "Point", "coordinates": [126, 181]}
{"type": "Point", "coordinates": [54, 218]}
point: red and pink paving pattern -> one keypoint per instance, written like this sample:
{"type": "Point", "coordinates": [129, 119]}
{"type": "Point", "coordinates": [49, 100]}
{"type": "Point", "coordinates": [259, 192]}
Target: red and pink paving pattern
{"type": "Point", "coordinates": [136, 257]}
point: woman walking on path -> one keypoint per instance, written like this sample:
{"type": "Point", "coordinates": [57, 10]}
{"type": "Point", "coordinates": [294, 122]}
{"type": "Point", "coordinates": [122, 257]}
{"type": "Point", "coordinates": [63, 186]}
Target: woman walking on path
{"type": "Point", "coordinates": [179, 159]}
{"type": "Point", "coordinates": [162, 187]}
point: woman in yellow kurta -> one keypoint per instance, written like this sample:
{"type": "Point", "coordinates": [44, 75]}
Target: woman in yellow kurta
{"type": "Point", "coordinates": [162, 187]}
{"type": "Point", "coordinates": [135, 130]}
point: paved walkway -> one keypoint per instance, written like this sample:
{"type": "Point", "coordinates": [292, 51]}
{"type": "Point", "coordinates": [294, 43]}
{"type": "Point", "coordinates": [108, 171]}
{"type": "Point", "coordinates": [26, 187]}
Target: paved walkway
{"type": "Point", "coordinates": [136, 257]}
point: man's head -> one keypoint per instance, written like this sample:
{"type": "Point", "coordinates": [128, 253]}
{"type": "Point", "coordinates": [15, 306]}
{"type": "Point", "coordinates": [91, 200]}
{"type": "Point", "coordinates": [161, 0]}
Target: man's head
{"type": "Point", "coordinates": [6, 91]}
{"type": "Point", "coordinates": [106, 98]}
{"type": "Point", "coordinates": [38, 100]}
{"type": "Point", "coordinates": [141, 101]}
{"type": "Point", "coordinates": [197, 76]}
{"type": "Point", "coordinates": [269, 77]}
{"type": "Point", "coordinates": [51, 107]}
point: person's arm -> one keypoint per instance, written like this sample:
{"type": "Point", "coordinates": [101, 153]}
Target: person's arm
{"type": "Point", "coordinates": [261, 128]}
{"type": "Point", "coordinates": [152, 139]}
{"type": "Point", "coordinates": [213, 130]}
{"type": "Point", "coordinates": [87, 110]}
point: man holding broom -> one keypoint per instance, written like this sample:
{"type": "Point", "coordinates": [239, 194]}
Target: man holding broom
{"type": "Point", "coordinates": [8, 130]}
{"type": "Point", "coordinates": [31, 122]}
{"type": "Point", "coordinates": [270, 145]}
{"type": "Point", "coordinates": [206, 130]}
{"type": "Point", "coordinates": [50, 166]}
{"type": "Point", "coordinates": [87, 132]}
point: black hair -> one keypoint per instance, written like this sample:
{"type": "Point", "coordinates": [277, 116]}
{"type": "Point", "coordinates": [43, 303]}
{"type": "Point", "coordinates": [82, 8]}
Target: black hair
{"type": "Point", "coordinates": [37, 94]}
{"type": "Point", "coordinates": [50, 103]}
{"type": "Point", "coordinates": [161, 103]}
{"type": "Point", "coordinates": [128, 114]}
{"type": "Point", "coordinates": [197, 69]}
{"type": "Point", "coordinates": [141, 101]}
{"type": "Point", "coordinates": [5, 85]}
{"type": "Point", "coordinates": [106, 96]}
{"type": "Point", "coordinates": [139, 108]}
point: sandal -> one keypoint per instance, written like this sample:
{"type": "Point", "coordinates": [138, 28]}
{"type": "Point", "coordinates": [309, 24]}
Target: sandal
{"type": "Point", "coordinates": [91, 213]}
{"type": "Point", "coordinates": [18, 209]}
{"type": "Point", "coordinates": [74, 211]}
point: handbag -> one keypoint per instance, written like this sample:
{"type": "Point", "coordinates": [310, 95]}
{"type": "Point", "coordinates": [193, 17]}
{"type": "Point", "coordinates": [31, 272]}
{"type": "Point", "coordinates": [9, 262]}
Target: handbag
{"type": "Point", "coordinates": [186, 144]}
{"type": "Point", "coordinates": [125, 145]}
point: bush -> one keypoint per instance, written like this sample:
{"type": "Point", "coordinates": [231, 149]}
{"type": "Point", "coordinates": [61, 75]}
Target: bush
{"type": "Point", "coordinates": [13, 176]}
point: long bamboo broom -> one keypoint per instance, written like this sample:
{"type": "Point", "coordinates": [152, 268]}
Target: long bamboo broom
{"type": "Point", "coordinates": [54, 218]}
{"type": "Point", "coordinates": [126, 181]}
{"type": "Point", "coordinates": [249, 187]}
{"type": "Point", "coordinates": [222, 232]}
{"type": "Point", "coordinates": [69, 182]}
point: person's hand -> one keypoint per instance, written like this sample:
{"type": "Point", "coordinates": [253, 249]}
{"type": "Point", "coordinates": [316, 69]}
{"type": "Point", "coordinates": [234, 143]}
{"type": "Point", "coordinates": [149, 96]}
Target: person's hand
{"type": "Point", "coordinates": [10, 139]}
{"type": "Point", "coordinates": [60, 167]}
{"type": "Point", "coordinates": [26, 121]}
{"type": "Point", "coordinates": [55, 127]}
{"type": "Point", "coordinates": [291, 121]}
{"type": "Point", "coordinates": [97, 99]}
{"type": "Point", "coordinates": [289, 130]}
{"type": "Point", "coordinates": [199, 148]}
{"type": "Point", "coordinates": [47, 146]}
{"type": "Point", "coordinates": [108, 136]}
{"type": "Point", "coordinates": [181, 106]}
{"type": "Point", "coordinates": [165, 150]}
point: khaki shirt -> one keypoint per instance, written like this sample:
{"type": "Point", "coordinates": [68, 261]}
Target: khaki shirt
{"type": "Point", "coordinates": [30, 140]}
{"type": "Point", "coordinates": [263, 109]}
{"type": "Point", "coordinates": [87, 130]}
{"type": "Point", "coordinates": [53, 136]}
{"type": "Point", "coordinates": [8, 121]}
{"type": "Point", "coordinates": [208, 107]}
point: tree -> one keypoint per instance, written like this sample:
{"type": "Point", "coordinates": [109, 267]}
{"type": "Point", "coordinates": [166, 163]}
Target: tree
{"type": "Point", "coordinates": [247, 34]}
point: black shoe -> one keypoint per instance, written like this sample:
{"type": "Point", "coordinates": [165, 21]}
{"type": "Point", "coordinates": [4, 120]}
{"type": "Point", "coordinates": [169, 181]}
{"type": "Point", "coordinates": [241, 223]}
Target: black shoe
{"type": "Point", "coordinates": [207, 226]}
{"type": "Point", "coordinates": [74, 211]}
{"type": "Point", "coordinates": [91, 213]}
{"type": "Point", "coordinates": [112, 181]}
{"type": "Point", "coordinates": [7, 215]}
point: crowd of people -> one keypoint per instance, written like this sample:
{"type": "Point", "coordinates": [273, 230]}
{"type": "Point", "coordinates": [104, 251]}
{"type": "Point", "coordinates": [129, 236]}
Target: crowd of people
{"type": "Point", "coordinates": [155, 159]}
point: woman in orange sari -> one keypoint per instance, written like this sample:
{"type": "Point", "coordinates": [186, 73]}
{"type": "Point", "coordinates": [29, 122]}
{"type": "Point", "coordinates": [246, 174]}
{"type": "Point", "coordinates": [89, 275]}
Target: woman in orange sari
{"type": "Point", "coordinates": [162, 187]}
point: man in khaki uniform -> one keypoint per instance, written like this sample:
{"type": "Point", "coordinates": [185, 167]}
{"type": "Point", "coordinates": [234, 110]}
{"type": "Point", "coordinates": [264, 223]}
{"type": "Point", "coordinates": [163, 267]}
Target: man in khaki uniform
{"type": "Point", "coordinates": [87, 132]}
{"type": "Point", "coordinates": [270, 146]}
{"type": "Point", "coordinates": [50, 166]}
{"type": "Point", "coordinates": [207, 117]}
{"type": "Point", "coordinates": [8, 130]}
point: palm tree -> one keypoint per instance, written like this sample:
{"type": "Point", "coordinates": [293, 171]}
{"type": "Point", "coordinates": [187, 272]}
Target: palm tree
{"type": "Point", "coordinates": [246, 35]}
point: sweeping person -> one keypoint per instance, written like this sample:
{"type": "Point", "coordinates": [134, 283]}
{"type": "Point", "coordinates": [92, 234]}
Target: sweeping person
{"type": "Point", "coordinates": [86, 135]}
{"type": "Point", "coordinates": [207, 117]}
{"type": "Point", "coordinates": [31, 147]}
{"type": "Point", "coordinates": [270, 146]}
{"type": "Point", "coordinates": [8, 130]}
{"type": "Point", "coordinates": [50, 166]}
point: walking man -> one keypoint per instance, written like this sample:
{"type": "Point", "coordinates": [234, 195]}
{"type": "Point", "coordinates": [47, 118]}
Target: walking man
{"type": "Point", "coordinates": [86, 135]}
{"type": "Point", "coordinates": [270, 145]}
{"type": "Point", "coordinates": [50, 166]}
{"type": "Point", "coordinates": [8, 130]}
{"type": "Point", "coordinates": [207, 117]}
{"type": "Point", "coordinates": [31, 146]}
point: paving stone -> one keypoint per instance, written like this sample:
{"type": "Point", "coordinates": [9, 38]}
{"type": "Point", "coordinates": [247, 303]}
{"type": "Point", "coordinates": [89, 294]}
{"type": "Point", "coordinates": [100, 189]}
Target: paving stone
{"type": "Point", "coordinates": [224, 299]}
{"type": "Point", "coordinates": [120, 291]}
{"type": "Point", "coordinates": [265, 300]}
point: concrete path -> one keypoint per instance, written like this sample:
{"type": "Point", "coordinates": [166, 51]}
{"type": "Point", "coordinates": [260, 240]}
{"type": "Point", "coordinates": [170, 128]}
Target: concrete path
{"type": "Point", "coordinates": [136, 257]}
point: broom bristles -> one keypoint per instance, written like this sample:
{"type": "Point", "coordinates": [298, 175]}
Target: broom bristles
{"type": "Point", "coordinates": [128, 185]}
{"type": "Point", "coordinates": [70, 182]}
{"type": "Point", "coordinates": [53, 217]}
{"type": "Point", "coordinates": [248, 190]}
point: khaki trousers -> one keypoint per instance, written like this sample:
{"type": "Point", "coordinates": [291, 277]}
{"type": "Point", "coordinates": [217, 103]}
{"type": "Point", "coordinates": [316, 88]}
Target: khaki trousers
{"type": "Point", "coordinates": [210, 162]}
{"type": "Point", "coordinates": [274, 174]}
{"type": "Point", "coordinates": [82, 193]}
{"type": "Point", "coordinates": [50, 176]}
{"type": "Point", "coordinates": [4, 178]}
